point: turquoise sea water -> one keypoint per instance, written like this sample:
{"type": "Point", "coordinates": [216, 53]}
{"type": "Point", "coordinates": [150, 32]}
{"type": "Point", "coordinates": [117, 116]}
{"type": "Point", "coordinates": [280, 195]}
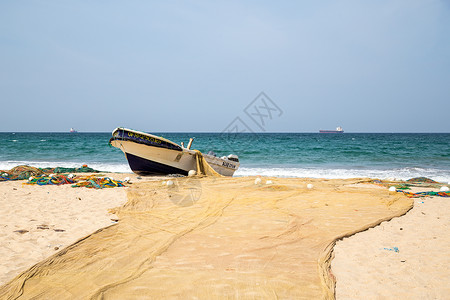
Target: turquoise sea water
{"type": "Point", "coordinates": [347, 155]}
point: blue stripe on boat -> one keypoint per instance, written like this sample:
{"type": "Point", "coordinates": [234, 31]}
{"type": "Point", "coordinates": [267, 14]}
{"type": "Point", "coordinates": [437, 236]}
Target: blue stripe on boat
{"type": "Point", "coordinates": [142, 166]}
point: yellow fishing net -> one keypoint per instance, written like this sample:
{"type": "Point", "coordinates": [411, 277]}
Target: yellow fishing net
{"type": "Point", "coordinates": [203, 168]}
{"type": "Point", "coordinates": [214, 238]}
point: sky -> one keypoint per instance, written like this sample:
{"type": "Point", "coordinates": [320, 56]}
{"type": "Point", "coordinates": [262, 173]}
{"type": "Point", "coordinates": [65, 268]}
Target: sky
{"type": "Point", "coordinates": [205, 66]}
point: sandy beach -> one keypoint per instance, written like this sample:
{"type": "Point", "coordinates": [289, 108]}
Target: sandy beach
{"type": "Point", "coordinates": [38, 221]}
{"type": "Point", "coordinates": [367, 266]}
{"type": "Point", "coordinates": [225, 150]}
{"type": "Point", "coordinates": [40, 224]}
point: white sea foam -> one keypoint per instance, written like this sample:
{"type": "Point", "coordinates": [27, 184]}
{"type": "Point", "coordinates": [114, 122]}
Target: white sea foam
{"type": "Point", "coordinates": [402, 173]}
{"type": "Point", "coordinates": [331, 173]}
{"type": "Point", "coordinates": [107, 167]}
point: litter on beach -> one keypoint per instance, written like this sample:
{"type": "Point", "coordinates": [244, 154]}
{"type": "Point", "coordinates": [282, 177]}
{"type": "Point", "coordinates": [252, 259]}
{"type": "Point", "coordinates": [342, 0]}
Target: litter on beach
{"type": "Point", "coordinates": [394, 249]}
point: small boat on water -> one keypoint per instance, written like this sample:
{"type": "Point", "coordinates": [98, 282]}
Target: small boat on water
{"type": "Point", "coordinates": [148, 154]}
{"type": "Point", "coordinates": [338, 130]}
{"type": "Point", "coordinates": [72, 130]}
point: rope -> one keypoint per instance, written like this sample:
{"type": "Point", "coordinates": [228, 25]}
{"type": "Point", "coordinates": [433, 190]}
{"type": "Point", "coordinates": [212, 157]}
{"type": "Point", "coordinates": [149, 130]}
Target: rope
{"type": "Point", "coordinates": [25, 172]}
{"type": "Point", "coordinates": [421, 180]}
{"type": "Point", "coordinates": [414, 182]}
{"type": "Point", "coordinates": [92, 181]}
{"type": "Point", "coordinates": [40, 176]}
{"type": "Point", "coordinates": [20, 173]}
{"type": "Point", "coordinates": [426, 194]}
{"type": "Point", "coordinates": [97, 182]}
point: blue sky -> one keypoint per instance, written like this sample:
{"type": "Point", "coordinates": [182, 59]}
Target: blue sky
{"type": "Point", "coordinates": [368, 66]}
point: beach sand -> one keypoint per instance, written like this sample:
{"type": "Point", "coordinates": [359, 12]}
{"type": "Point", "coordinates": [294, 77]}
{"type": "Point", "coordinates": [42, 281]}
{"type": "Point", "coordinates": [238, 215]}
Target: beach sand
{"type": "Point", "coordinates": [367, 266]}
{"type": "Point", "coordinates": [227, 253]}
{"type": "Point", "coordinates": [38, 221]}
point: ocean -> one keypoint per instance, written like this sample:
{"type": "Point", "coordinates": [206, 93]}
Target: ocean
{"type": "Point", "coordinates": [316, 155]}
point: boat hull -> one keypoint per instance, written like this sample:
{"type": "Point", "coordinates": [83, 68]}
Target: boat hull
{"type": "Point", "coordinates": [221, 166]}
{"type": "Point", "coordinates": [149, 160]}
{"type": "Point", "coordinates": [152, 155]}
{"type": "Point", "coordinates": [145, 167]}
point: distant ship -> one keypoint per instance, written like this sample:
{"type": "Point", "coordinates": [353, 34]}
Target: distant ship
{"type": "Point", "coordinates": [73, 130]}
{"type": "Point", "coordinates": [338, 130]}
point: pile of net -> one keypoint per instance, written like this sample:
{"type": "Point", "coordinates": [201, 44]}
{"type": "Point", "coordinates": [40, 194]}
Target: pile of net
{"type": "Point", "coordinates": [214, 237]}
{"type": "Point", "coordinates": [20, 173]}
{"type": "Point", "coordinates": [92, 181]}
{"type": "Point", "coordinates": [403, 185]}
{"type": "Point", "coordinates": [25, 172]}
{"type": "Point", "coordinates": [426, 194]}
{"type": "Point", "coordinates": [82, 169]}
{"type": "Point", "coordinates": [421, 182]}
{"type": "Point", "coordinates": [55, 176]}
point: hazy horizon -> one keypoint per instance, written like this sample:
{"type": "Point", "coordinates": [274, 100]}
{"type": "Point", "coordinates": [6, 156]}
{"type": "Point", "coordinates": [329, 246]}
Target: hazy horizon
{"type": "Point", "coordinates": [221, 132]}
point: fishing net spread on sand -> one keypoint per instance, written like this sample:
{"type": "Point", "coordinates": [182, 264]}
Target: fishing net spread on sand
{"type": "Point", "coordinates": [420, 182]}
{"type": "Point", "coordinates": [82, 169]}
{"type": "Point", "coordinates": [90, 181]}
{"type": "Point", "coordinates": [232, 239]}
{"type": "Point", "coordinates": [20, 173]}
{"type": "Point", "coordinates": [25, 172]}
{"type": "Point", "coordinates": [203, 167]}
{"type": "Point", "coordinates": [55, 176]}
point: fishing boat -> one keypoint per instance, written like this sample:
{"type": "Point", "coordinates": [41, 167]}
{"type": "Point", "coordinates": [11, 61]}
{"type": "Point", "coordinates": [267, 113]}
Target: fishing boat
{"type": "Point", "coordinates": [148, 154]}
{"type": "Point", "coordinates": [72, 130]}
{"type": "Point", "coordinates": [338, 130]}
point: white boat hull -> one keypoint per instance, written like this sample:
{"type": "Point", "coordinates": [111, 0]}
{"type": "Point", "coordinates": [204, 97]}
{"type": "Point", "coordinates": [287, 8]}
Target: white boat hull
{"type": "Point", "coordinates": [221, 166]}
{"type": "Point", "coordinates": [146, 159]}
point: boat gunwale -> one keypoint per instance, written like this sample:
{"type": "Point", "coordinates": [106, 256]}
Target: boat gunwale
{"type": "Point", "coordinates": [179, 148]}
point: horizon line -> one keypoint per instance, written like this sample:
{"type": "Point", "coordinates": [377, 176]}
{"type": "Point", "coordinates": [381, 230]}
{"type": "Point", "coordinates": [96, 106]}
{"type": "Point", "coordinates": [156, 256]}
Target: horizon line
{"type": "Point", "coordinates": [257, 132]}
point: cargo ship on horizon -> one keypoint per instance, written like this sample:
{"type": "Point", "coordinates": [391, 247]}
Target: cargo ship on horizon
{"type": "Point", "coordinates": [338, 130]}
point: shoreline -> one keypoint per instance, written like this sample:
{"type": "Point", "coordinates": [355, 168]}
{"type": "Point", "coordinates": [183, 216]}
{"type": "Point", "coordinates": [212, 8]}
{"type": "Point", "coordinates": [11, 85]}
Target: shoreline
{"type": "Point", "coordinates": [79, 218]}
{"type": "Point", "coordinates": [324, 172]}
